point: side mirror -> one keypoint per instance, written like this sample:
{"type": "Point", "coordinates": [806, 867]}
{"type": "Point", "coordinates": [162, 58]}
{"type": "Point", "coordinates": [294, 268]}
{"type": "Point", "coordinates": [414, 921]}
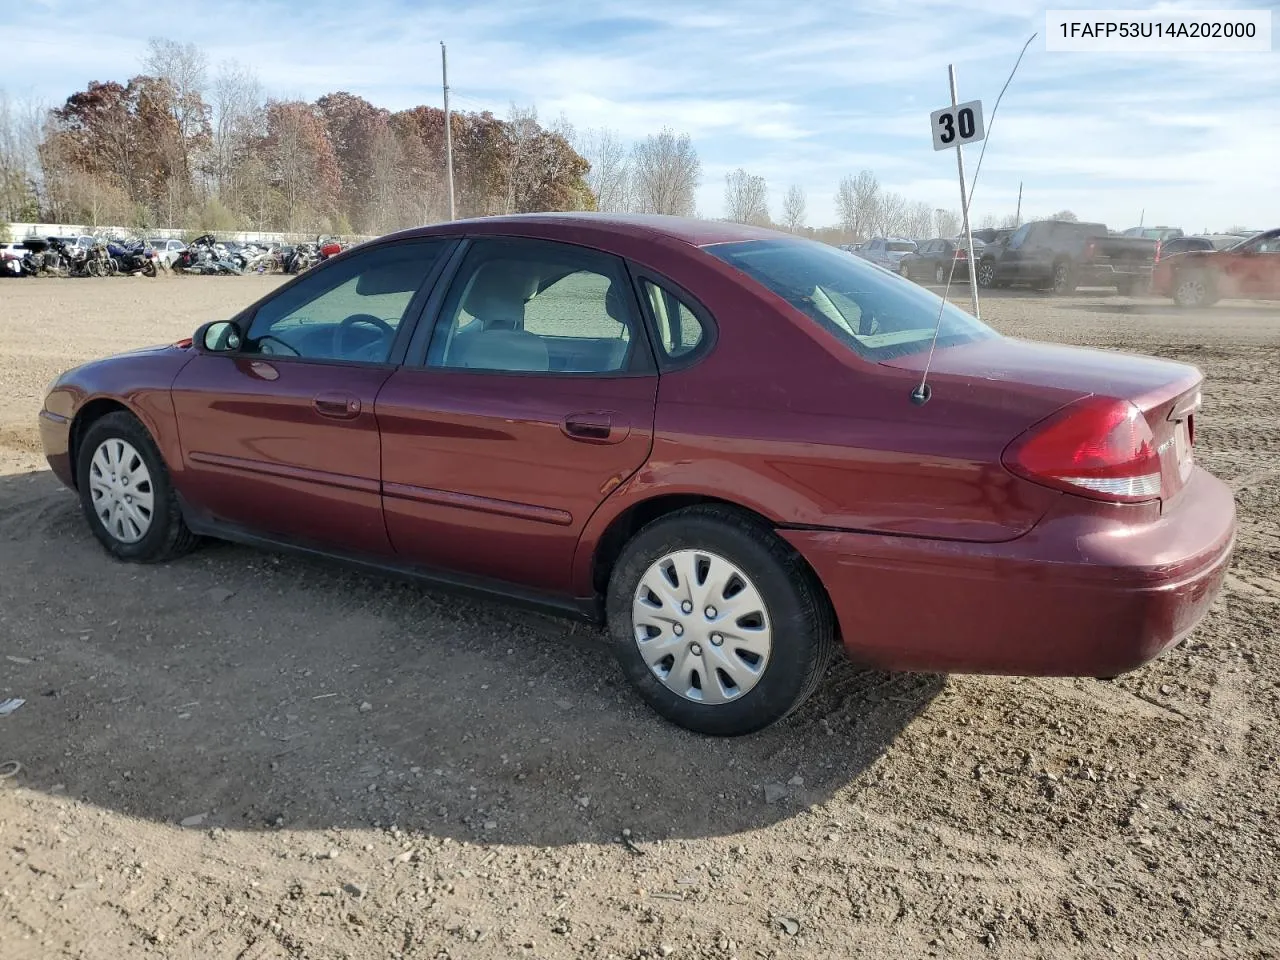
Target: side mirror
{"type": "Point", "coordinates": [220, 336]}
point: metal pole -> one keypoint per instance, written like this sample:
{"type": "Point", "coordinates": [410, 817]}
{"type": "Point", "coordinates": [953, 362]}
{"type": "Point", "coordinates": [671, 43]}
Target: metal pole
{"type": "Point", "coordinates": [448, 130]}
{"type": "Point", "coordinates": [964, 202]}
{"type": "Point", "coordinates": [1017, 217]}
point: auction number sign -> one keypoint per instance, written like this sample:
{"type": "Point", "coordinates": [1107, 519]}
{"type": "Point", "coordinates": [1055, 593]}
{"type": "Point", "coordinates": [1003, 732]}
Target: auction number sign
{"type": "Point", "coordinates": [958, 125]}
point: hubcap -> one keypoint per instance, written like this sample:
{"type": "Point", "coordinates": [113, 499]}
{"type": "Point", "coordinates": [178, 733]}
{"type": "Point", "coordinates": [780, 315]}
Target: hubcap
{"type": "Point", "coordinates": [120, 485]}
{"type": "Point", "coordinates": [702, 627]}
{"type": "Point", "coordinates": [1190, 291]}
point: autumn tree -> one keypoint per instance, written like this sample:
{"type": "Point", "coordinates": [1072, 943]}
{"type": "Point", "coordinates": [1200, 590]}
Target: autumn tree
{"type": "Point", "coordinates": [300, 165]}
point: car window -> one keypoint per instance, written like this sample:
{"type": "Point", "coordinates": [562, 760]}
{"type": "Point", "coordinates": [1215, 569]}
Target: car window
{"type": "Point", "coordinates": [679, 329]}
{"type": "Point", "coordinates": [1019, 236]}
{"type": "Point", "coordinates": [1269, 245]}
{"type": "Point", "coordinates": [536, 307]}
{"type": "Point", "coordinates": [350, 310]}
{"type": "Point", "coordinates": [900, 246]}
{"type": "Point", "coordinates": [876, 313]}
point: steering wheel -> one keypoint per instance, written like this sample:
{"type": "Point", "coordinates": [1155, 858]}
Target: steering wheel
{"type": "Point", "coordinates": [267, 338]}
{"type": "Point", "coordinates": [341, 333]}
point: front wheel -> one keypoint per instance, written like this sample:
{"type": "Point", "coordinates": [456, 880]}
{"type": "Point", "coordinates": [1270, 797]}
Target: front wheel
{"type": "Point", "coordinates": [149, 268]}
{"type": "Point", "coordinates": [718, 624]}
{"type": "Point", "coordinates": [986, 274]}
{"type": "Point", "coordinates": [126, 494]}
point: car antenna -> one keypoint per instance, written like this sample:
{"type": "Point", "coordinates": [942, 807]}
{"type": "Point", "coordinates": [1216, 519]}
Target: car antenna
{"type": "Point", "coordinates": [920, 395]}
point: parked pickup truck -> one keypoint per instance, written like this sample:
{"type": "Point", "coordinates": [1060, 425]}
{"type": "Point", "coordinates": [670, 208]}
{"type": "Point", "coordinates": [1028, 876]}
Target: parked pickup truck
{"type": "Point", "coordinates": [1250, 270]}
{"type": "Point", "coordinates": [1061, 255]}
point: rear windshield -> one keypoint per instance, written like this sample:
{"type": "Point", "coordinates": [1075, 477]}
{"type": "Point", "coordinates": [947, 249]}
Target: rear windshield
{"type": "Point", "coordinates": [878, 314]}
{"type": "Point", "coordinates": [900, 246]}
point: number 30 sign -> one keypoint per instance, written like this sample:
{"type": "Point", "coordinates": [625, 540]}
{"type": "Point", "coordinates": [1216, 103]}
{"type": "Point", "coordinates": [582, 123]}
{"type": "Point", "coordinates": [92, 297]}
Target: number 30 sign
{"type": "Point", "coordinates": [953, 126]}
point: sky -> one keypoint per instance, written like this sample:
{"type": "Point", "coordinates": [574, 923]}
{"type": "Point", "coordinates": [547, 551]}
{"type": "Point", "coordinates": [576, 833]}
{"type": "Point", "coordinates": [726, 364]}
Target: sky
{"type": "Point", "coordinates": [800, 93]}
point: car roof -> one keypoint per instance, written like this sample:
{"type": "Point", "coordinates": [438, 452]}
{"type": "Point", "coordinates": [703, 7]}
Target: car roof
{"type": "Point", "coordinates": [632, 225]}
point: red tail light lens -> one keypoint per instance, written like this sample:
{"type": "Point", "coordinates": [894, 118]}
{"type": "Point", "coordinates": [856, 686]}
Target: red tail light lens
{"type": "Point", "coordinates": [1159, 246]}
{"type": "Point", "coordinates": [961, 253]}
{"type": "Point", "coordinates": [1097, 447]}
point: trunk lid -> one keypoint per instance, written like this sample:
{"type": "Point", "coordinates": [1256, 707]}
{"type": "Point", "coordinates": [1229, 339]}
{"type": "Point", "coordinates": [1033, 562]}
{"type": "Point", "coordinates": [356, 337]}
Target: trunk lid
{"type": "Point", "coordinates": [1042, 377]}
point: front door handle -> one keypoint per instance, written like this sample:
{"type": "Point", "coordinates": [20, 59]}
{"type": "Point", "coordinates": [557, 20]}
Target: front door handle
{"type": "Point", "coordinates": [337, 406]}
{"type": "Point", "coordinates": [593, 427]}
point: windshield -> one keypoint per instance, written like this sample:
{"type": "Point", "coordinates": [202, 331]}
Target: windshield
{"type": "Point", "coordinates": [878, 314]}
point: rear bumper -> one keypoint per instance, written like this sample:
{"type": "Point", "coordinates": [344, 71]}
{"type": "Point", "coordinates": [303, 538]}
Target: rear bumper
{"type": "Point", "coordinates": [1080, 595]}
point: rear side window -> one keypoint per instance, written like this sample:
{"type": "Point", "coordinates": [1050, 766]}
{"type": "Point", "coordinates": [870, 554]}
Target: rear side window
{"type": "Point", "coordinates": [679, 329]}
{"type": "Point", "coordinates": [877, 314]}
{"type": "Point", "coordinates": [901, 246]}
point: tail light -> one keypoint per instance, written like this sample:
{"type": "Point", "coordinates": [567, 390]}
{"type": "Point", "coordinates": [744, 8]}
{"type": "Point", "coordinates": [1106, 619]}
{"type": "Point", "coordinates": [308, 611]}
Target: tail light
{"type": "Point", "coordinates": [961, 253]}
{"type": "Point", "coordinates": [1098, 447]}
{"type": "Point", "coordinates": [1159, 246]}
{"type": "Point", "coordinates": [1089, 248]}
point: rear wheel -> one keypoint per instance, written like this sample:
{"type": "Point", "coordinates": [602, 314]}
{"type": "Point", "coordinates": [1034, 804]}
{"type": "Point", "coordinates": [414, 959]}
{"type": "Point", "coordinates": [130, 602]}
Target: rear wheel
{"type": "Point", "coordinates": [149, 268]}
{"type": "Point", "coordinates": [126, 494]}
{"type": "Point", "coordinates": [1194, 288]}
{"type": "Point", "coordinates": [1064, 280]}
{"type": "Point", "coordinates": [717, 623]}
{"type": "Point", "coordinates": [986, 274]}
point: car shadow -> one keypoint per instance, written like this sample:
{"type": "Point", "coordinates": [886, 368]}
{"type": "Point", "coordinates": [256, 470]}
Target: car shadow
{"type": "Point", "coordinates": [252, 691]}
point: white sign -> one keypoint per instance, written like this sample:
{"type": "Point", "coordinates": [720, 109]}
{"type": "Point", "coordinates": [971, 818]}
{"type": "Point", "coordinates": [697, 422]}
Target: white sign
{"type": "Point", "coordinates": [953, 126]}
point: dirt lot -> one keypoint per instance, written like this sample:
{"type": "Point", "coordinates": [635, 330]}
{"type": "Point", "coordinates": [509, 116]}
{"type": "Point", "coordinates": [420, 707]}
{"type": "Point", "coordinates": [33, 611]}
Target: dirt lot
{"type": "Point", "coordinates": [371, 769]}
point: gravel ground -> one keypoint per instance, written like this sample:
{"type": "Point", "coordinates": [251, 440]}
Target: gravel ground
{"type": "Point", "coordinates": [248, 756]}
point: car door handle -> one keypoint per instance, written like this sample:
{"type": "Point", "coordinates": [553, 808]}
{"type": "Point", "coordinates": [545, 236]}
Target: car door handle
{"type": "Point", "coordinates": [593, 428]}
{"type": "Point", "coordinates": [337, 406]}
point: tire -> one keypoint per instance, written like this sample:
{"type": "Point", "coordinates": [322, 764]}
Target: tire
{"type": "Point", "coordinates": [1064, 280]}
{"type": "Point", "coordinates": [986, 274]}
{"type": "Point", "coordinates": [149, 269]}
{"type": "Point", "coordinates": [166, 535]}
{"type": "Point", "coordinates": [1194, 288]}
{"type": "Point", "coordinates": [795, 616]}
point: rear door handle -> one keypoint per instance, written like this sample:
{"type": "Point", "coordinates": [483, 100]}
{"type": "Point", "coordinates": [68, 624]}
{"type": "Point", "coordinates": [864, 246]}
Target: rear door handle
{"type": "Point", "coordinates": [337, 406]}
{"type": "Point", "coordinates": [593, 427]}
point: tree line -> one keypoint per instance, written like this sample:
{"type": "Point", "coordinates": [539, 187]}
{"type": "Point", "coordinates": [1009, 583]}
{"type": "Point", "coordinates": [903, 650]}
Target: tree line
{"type": "Point", "coordinates": [183, 145]}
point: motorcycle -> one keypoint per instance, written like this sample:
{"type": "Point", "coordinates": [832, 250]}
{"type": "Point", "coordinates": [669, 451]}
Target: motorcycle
{"type": "Point", "coordinates": [205, 256]}
{"type": "Point", "coordinates": [44, 258]}
{"type": "Point", "coordinates": [133, 259]}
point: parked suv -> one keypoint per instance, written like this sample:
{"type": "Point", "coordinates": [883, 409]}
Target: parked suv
{"type": "Point", "coordinates": [1061, 255]}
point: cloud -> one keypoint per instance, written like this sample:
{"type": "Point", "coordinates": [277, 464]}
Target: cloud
{"type": "Point", "coordinates": [799, 93]}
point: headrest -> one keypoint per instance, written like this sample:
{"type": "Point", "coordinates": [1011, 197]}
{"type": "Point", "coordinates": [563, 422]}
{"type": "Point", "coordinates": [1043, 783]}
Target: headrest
{"type": "Point", "coordinates": [499, 292]}
{"type": "Point", "coordinates": [614, 304]}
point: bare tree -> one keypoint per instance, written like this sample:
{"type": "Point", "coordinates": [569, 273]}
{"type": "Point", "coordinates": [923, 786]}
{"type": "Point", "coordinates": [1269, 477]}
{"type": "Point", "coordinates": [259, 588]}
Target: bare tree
{"type": "Point", "coordinates": [184, 68]}
{"type": "Point", "coordinates": [746, 198]}
{"type": "Point", "coordinates": [793, 208]}
{"type": "Point", "coordinates": [1064, 215]}
{"type": "Point", "coordinates": [858, 204]}
{"type": "Point", "coordinates": [238, 105]}
{"type": "Point", "coordinates": [522, 131]}
{"type": "Point", "coordinates": [919, 221]}
{"type": "Point", "coordinates": [892, 214]}
{"type": "Point", "coordinates": [610, 176]}
{"type": "Point", "coordinates": [946, 223]}
{"type": "Point", "coordinates": [665, 170]}
{"type": "Point", "coordinates": [1011, 219]}
{"type": "Point", "coordinates": [20, 124]}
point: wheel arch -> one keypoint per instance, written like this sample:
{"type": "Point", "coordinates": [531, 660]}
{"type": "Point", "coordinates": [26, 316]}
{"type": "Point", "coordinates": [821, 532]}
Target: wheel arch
{"type": "Point", "coordinates": [607, 547]}
{"type": "Point", "coordinates": [88, 414]}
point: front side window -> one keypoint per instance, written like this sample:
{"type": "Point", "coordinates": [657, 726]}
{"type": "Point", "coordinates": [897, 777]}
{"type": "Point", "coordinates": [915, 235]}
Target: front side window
{"type": "Point", "coordinates": [1019, 236]}
{"type": "Point", "coordinates": [536, 307]}
{"type": "Point", "coordinates": [348, 311]}
{"type": "Point", "coordinates": [879, 315]}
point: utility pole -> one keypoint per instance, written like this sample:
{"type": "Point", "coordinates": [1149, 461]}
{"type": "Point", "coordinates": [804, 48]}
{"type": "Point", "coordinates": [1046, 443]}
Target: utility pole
{"type": "Point", "coordinates": [1017, 217]}
{"type": "Point", "coordinates": [964, 201]}
{"type": "Point", "coordinates": [448, 130]}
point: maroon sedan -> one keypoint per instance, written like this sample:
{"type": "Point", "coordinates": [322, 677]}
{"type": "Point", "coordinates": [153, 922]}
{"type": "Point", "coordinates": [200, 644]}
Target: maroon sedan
{"type": "Point", "coordinates": [705, 435]}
